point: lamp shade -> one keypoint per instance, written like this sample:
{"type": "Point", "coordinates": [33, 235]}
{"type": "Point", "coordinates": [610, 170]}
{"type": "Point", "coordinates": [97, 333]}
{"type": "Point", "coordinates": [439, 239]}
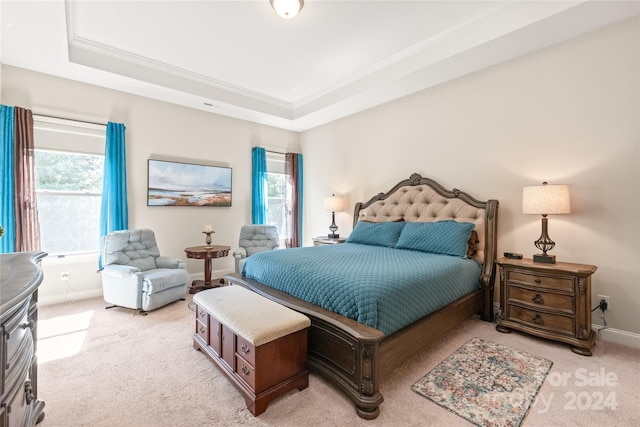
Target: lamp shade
{"type": "Point", "coordinates": [333, 203]}
{"type": "Point", "coordinates": [546, 199]}
{"type": "Point", "coordinates": [287, 9]}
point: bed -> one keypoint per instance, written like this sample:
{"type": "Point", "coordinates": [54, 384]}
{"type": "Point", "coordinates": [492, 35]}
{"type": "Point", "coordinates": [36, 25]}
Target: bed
{"type": "Point", "coordinates": [353, 347]}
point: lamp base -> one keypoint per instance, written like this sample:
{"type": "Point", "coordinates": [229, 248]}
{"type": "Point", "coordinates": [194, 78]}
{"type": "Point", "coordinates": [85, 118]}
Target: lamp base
{"type": "Point", "coordinates": [333, 235]}
{"type": "Point", "coordinates": [544, 258]}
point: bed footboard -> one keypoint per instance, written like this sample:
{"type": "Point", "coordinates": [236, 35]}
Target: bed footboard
{"type": "Point", "coordinates": [341, 350]}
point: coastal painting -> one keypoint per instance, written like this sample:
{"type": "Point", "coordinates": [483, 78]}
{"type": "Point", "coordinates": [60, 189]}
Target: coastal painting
{"type": "Point", "coordinates": [188, 184]}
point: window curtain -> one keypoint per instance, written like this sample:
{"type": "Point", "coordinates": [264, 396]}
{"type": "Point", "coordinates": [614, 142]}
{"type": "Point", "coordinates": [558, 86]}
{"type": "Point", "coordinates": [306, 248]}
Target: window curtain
{"type": "Point", "coordinates": [18, 210]}
{"type": "Point", "coordinates": [7, 212]}
{"type": "Point", "coordinates": [258, 185]}
{"type": "Point", "coordinates": [293, 168]}
{"type": "Point", "coordinates": [114, 212]}
{"type": "Point", "coordinates": [27, 237]}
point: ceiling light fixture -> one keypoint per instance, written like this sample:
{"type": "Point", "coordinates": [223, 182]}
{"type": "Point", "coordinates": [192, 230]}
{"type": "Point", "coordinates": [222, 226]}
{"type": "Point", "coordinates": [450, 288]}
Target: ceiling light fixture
{"type": "Point", "coordinates": [287, 9]}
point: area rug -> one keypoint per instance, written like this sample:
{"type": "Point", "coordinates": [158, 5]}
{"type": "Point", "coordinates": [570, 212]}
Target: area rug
{"type": "Point", "coordinates": [486, 383]}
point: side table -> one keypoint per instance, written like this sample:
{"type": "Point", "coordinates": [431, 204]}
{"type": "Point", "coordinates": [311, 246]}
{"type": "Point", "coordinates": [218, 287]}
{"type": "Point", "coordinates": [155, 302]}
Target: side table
{"type": "Point", "coordinates": [323, 240]}
{"type": "Point", "coordinates": [550, 301]}
{"type": "Point", "coordinates": [207, 253]}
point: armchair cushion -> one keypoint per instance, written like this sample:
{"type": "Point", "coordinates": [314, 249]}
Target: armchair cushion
{"type": "Point", "coordinates": [136, 248]}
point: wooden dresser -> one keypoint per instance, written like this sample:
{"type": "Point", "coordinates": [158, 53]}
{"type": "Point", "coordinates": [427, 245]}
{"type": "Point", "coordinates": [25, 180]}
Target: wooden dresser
{"type": "Point", "coordinates": [547, 300]}
{"type": "Point", "coordinates": [20, 277]}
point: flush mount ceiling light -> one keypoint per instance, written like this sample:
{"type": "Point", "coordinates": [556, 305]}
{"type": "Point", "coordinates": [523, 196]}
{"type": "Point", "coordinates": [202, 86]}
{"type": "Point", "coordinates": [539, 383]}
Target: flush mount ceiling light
{"type": "Point", "coordinates": [287, 9]}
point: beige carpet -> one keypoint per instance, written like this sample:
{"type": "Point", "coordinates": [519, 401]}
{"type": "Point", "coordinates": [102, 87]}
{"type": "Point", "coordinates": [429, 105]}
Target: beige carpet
{"type": "Point", "coordinates": [115, 368]}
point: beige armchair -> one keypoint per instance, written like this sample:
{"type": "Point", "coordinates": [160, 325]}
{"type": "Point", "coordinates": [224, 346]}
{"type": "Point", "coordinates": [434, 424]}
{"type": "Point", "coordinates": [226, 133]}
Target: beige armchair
{"type": "Point", "coordinates": [255, 238]}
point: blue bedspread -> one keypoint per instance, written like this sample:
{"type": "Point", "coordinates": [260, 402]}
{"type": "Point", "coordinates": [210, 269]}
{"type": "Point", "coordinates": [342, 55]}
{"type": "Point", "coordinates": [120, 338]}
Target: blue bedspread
{"type": "Point", "coordinates": [385, 288]}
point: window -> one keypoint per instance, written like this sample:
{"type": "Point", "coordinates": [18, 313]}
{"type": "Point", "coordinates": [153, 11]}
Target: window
{"type": "Point", "coordinates": [277, 182]}
{"type": "Point", "coordinates": [68, 170]}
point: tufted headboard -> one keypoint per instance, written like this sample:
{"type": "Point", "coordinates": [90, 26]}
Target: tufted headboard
{"type": "Point", "coordinates": [424, 200]}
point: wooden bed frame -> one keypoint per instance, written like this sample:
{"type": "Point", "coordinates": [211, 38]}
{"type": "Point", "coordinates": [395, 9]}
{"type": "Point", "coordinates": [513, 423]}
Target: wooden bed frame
{"type": "Point", "coordinates": [354, 356]}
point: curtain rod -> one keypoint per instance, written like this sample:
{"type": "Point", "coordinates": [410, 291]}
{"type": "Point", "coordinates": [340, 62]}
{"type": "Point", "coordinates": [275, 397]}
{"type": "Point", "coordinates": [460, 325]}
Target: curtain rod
{"type": "Point", "coordinates": [73, 120]}
{"type": "Point", "coordinates": [275, 152]}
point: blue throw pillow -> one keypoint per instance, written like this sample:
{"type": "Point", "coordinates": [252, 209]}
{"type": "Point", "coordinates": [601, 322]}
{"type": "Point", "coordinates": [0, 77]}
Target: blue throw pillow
{"type": "Point", "coordinates": [440, 237]}
{"type": "Point", "coordinates": [376, 233]}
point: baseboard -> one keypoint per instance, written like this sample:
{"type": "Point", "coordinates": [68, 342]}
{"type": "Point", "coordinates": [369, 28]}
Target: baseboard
{"type": "Point", "coordinates": [618, 336]}
{"type": "Point", "coordinates": [70, 296]}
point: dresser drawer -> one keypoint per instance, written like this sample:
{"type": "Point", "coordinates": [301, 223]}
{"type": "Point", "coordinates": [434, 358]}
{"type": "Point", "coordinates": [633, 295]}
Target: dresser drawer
{"type": "Point", "coordinates": [246, 372]}
{"type": "Point", "coordinates": [17, 407]}
{"type": "Point", "coordinates": [202, 329]}
{"type": "Point", "coordinates": [537, 298]}
{"type": "Point", "coordinates": [16, 331]}
{"type": "Point", "coordinates": [552, 322]}
{"type": "Point", "coordinates": [202, 315]}
{"type": "Point", "coordinates": [245, 349]}
{"type": "Point", "coordinates": [535, 279]}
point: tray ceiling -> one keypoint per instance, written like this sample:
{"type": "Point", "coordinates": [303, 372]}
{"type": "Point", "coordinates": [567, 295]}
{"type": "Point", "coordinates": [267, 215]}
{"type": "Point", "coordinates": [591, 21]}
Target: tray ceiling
{"type": "Point", "coordinates": [238, 58]}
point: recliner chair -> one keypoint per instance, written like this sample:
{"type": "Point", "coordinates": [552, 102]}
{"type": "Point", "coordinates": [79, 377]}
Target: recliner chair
{"type": "Point", "coordinates": [136, 276]}
{"type": "Point", "coordinates": [255, 238]}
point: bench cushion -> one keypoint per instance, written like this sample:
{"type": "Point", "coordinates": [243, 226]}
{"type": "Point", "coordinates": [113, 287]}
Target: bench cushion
{"type": "Point", "coordinates": [256, 318]}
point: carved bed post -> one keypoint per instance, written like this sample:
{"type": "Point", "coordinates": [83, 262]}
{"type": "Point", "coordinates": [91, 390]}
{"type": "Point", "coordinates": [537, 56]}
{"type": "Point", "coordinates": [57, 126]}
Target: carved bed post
{"type": "Point", "coordinates": [367, 405]}
{"type": "Point", "coordinates": [491, 248]}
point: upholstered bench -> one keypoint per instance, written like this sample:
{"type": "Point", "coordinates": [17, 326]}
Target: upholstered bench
{"type": "Point", "coordinates": [260, 345]}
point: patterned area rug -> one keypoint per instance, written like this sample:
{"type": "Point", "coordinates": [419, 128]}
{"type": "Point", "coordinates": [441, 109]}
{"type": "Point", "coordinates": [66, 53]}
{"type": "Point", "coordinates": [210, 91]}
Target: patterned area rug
{"type": "Point", "coordinates": [486, 383]}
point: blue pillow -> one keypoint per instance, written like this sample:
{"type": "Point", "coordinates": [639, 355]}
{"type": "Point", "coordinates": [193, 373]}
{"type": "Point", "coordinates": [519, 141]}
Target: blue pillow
{"type": "Point", "coordinates": [376, 233]}
{"type": "Point", "coordinates": [440, 237]}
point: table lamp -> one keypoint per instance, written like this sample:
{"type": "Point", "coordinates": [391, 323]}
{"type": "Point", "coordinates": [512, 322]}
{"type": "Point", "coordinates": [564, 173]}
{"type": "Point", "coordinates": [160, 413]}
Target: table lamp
{"type": "Point", "coordinates": [333, 204]}
{"type": "Point", "coordinates": [545, 200]}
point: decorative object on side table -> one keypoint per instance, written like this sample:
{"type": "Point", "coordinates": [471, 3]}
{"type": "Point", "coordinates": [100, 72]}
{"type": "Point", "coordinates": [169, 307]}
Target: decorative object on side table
{"type": "Point", "coordinates": [333, 204]}
{"type": "Point", "coordinates": [547, 300]}
{"type": "Point", "coordinates": [208, 230]}
{"type": "Point", "coordinates": [544, 200]}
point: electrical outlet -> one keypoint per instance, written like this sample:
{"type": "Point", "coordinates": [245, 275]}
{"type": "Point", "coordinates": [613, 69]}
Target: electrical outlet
{"type": "Point", "coordinates": [606, 299]}
{"type": "Point", "coordinates": [64, 275]}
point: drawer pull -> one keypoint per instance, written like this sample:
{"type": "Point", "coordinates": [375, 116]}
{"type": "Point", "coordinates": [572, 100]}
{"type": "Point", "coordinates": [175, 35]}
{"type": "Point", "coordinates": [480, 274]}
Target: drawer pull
{"type": "Point", "coordinates": [538, 299]}
{"type": "Point", "coordinates": [245, 349]}
{"type": "Point", "coordinates": [28, 391]}
{"type": "Point", "coordinates": [536, 280]}
{"type": "Point", "coordinates": [202, 330]}
{"type": "Point", "coordinates": [538, 320]}
{"type": "Point", "coordinates": [245, 370]}
{"type": "Point", "coordinates": [30, 324]}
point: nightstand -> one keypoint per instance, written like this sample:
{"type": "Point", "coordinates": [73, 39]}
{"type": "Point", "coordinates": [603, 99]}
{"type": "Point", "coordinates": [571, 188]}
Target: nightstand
{"type": "Point", "coordinates": [323, 240]}
{"type": "Point", "coordinates": [547, 300]}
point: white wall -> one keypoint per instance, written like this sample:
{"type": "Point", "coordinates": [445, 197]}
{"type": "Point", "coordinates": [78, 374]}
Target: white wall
{"type": "Point", "coordinates": [566, 114]}
{"type": "Point", "coordinates": [153, 130]}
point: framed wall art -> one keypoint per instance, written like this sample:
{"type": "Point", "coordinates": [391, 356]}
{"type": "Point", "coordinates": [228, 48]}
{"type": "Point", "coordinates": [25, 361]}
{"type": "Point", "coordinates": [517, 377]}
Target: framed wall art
{"type": "Point", "coordinates": [187, 184]}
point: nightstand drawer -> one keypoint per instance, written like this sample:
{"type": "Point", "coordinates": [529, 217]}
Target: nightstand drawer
{"type": "Point", "coordinates": [553, 282]}
{"type": "Point", "coordinates": [536, 298]}
{"type": "Point", "coordinates": [551, 322]}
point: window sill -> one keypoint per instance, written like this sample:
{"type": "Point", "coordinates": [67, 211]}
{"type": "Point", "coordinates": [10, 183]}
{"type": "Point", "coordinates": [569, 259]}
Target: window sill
{"type": "Point", "coordinates": [70, 259]}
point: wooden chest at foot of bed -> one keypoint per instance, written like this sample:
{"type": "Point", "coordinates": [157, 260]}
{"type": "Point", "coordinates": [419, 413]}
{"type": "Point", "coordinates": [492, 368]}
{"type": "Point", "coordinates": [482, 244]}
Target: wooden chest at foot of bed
{"type": "Point", "coordinates": [260, 345]}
